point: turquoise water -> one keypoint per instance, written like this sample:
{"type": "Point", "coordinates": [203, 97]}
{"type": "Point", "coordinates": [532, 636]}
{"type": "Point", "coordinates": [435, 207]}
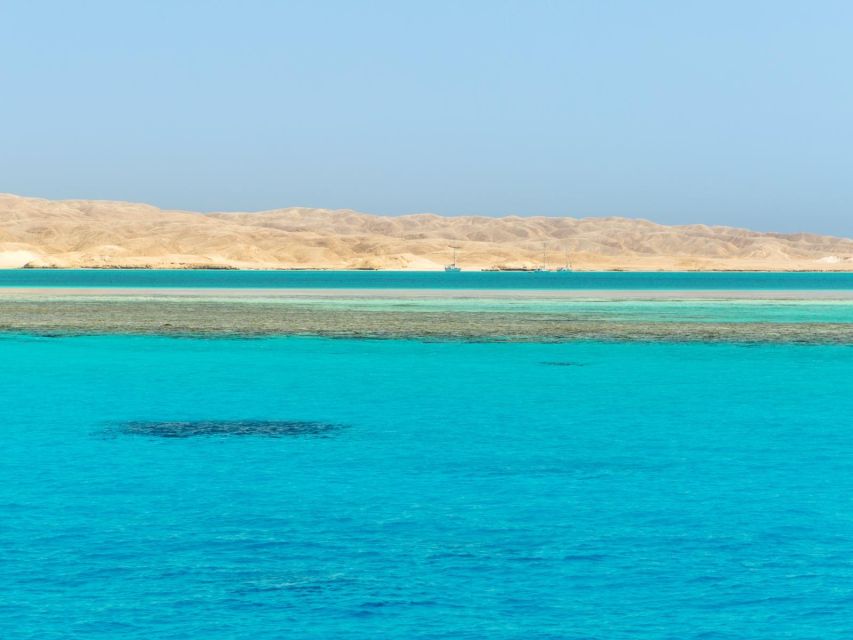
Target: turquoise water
{"type": "Point", "coordinates": [420, 280]}
{"type": "Point", "coordinates": [447, 490]}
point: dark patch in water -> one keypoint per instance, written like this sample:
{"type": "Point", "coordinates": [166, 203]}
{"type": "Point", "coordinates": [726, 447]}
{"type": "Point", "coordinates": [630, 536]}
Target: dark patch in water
{"type": "Point", "coordinates": [199, 428]}
{"type": "Point", "coordinates": [562, 363]}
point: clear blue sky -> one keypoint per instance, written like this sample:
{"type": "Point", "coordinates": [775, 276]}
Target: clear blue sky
{"type": "Point", "coordinates": [736, 113]}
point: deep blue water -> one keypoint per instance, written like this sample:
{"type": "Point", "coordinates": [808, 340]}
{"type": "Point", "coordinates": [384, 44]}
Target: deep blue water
{"type": "Point", "coordinates": [420, 280]}
{"type": "Point", "coordinates": [585, 490]}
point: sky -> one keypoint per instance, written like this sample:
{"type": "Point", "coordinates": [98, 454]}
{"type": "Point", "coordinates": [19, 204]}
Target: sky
{"type": "Point", "coordinates": [717, 112]}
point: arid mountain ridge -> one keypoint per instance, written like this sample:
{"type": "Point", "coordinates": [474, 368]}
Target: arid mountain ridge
{"type": "Point", "coordinates": [40, 233]}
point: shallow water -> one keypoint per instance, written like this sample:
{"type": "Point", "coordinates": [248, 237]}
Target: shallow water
{"type": "Point", "coordinates": [501, 490]}
{"type": "Point", "coordinates": [420, 280]}
{"type": "Point", "coordinates": [756, 321]}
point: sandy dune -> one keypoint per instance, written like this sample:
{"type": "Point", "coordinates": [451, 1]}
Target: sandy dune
{"type": "Point", "coordinates": [89, 233]}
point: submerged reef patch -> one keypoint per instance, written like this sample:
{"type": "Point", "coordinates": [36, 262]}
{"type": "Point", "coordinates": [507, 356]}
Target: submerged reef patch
{"type": "Point", "coordinates": [758, 322]}
{"type": "Point", "coordinates": [201, 428]}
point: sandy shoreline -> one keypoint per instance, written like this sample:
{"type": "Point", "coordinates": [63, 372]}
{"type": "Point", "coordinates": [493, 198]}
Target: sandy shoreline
{"type": "Point", "coordinates": [39, 233]}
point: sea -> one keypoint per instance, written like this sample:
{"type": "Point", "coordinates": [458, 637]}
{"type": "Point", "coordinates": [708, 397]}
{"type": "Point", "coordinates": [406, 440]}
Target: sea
{"type": "Point", "coordinates": [287, 487]}
{"type": "Point", "coordinates": [547, 280]}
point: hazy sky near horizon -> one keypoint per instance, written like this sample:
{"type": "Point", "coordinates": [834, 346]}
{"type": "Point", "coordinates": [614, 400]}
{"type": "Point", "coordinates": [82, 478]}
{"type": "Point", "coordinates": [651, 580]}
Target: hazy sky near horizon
{"type": "Point", "coordinates": [736, 113]}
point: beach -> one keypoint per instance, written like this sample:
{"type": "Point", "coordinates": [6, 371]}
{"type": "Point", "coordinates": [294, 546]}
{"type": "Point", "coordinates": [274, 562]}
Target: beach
{"type": "Point", "coordinates": [41, 233]}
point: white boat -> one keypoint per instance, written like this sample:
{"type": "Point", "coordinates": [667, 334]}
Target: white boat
{"type": "Point", "coordinates": [453, 266]}
{"type": "Point", "coordinates": [567, 267]}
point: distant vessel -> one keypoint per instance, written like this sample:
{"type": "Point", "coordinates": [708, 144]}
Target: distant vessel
{"type": "Point", "coordinates": [568, 266]}
{"type": "Point", "coordinates": [453, 266]}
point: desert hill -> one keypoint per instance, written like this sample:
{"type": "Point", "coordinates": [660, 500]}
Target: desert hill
{"type": "Point", "coordinates": [36, 232]}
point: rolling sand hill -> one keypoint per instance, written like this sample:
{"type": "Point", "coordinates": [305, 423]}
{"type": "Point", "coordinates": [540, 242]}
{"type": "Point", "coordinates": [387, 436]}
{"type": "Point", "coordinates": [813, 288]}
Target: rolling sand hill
{"type": "Point", "coordinates": [90, 233]}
